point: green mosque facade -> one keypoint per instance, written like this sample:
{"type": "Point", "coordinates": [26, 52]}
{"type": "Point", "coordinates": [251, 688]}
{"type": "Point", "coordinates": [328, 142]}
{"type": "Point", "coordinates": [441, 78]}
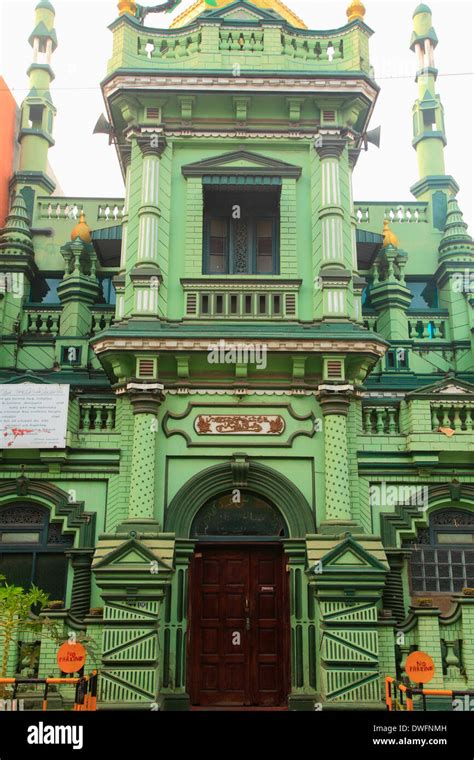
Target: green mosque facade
{"type": "Point", "coordinates": [266, 496]}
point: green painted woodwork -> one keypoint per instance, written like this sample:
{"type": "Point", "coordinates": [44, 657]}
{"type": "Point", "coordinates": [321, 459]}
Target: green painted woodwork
{"type": "Point", "coordinates": [374, 392]}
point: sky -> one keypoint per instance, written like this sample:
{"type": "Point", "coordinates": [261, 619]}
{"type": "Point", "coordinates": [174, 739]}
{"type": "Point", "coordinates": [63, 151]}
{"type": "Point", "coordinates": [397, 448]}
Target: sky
{"type": "Point", "coordinates": [86, 166]}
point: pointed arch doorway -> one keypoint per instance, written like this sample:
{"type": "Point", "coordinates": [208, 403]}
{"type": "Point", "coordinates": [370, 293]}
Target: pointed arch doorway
{"type": "Point", "coordinates": [239, 629]}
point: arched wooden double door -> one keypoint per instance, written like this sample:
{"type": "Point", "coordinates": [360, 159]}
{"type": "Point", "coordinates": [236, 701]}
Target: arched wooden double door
{"type": "Point", "coordinates": [238, 626]}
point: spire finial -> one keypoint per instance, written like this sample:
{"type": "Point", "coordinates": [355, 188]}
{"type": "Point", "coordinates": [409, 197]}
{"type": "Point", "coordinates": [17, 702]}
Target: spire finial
{"type": "Point", "coordinates": [82, 230]}
{"type": "Point", "coordinates": [389, 237]}
{"type": "Point", "coordinates": [127, 6]}
{"type": "Point", "coordinates": [356, 10]}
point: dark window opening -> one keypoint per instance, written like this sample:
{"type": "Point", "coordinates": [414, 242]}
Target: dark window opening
{"type": "Point", "coordinates": [396, 358]}
{"type": "Point", "coordinates": [250, 515]}
{"type": "Point", "coordinates": [241, 232]}
{"type": "Point", "coordinates": [33, 549]}
{"type": "Point", "coordinates": [36, 117]}
{"type": "Point", "coordinates": [442, 556]}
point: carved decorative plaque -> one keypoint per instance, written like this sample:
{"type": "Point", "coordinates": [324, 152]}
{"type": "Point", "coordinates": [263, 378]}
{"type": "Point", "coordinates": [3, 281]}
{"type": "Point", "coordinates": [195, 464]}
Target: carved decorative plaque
{"type": "Point", "coordinates": [239, 424]}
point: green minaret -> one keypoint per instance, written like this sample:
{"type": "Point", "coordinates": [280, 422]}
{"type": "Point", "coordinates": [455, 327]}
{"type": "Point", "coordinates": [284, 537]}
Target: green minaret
{"type": "Point", "coordinates": [429, 133]}
{"type": "Point", "coordinates": [38, 111]}
{"type": "Point", "coordinates": [455, 274]}
{"type": "Point", "coordinates": [16, 264]}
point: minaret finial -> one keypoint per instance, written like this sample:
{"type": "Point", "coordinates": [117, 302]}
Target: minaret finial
{"type": "Point", "coordinates": [356, 10]}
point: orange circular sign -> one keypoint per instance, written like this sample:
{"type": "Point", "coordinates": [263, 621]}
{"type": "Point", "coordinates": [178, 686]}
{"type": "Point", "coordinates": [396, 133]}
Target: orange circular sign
{"type": "Point", "coordinates": [71, 657]}
{"type": "Point", "coordinates": [420, 667]}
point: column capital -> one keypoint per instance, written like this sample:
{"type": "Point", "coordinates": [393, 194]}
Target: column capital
{"type": "Point", "coordinates": [145, 398]}
{"type": "Point", "coordinates": [335, 399]}
{"type": "Point", "coordinates": [330, 145]}
{"type": "Point", "coordinates": [152, 145]}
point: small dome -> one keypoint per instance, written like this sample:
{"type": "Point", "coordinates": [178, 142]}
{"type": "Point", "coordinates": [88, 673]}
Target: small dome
{"type": "Point", "coordinates": [422, 8]}
{"type": "Point", "coordinates": [82, 230]}
{"type": "Point", "coordinates": [46, 5]}
{"type": "Point", "coordinates": [356, 10]}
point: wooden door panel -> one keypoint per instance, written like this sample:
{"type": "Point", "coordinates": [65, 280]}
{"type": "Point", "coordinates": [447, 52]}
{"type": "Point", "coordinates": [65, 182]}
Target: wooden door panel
{"type": "Point", "coordinates": [238, 639]}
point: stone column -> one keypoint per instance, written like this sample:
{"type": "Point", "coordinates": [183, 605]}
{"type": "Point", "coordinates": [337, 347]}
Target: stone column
{"type": "Point", "coordinates": [335, 402]}
{"type": "Point", "coordinates": [145, 275]}
{"type": "Point", "coordinates": [149, 212]}
{"type": "Point", "coordinates": [81, 561]}
{"type": "Point", "coordinates": [146, 399]}
{"type": "Point", "coordinates": [331, 214]}
{"type": "Point", "coordinates": [336, 262]}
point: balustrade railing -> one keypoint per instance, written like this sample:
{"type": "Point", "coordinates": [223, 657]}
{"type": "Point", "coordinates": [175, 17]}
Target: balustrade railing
{"type": "Point", "coordinates": [245, 40]}
{"type": "Point", "coordinates": [168, 47]}
{"type": "Point", "coordinates": [96, 416]}
{"type": "Point", "coordinates": [427, 327]}
{"type": "Point", "coordinates": [40, 320]}
{"type": "Point", "coordinates": [380, 420]}
{"type": "Point", "coordinates": [70, 209]}
{"type": "Point", "coordinates": [395, 213]}
{"type": "Point", "coordinates": [454, 415]}
{"type": "Point", "coordinates": [101, 320]}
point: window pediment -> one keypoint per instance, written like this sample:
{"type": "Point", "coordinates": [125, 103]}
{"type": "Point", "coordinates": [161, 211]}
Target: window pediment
{"type": "Point", "coordinates": [242, 163]}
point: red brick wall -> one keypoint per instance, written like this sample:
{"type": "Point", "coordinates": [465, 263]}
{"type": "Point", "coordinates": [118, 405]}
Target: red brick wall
{"type": "Point", "coordinates": [8, 109]}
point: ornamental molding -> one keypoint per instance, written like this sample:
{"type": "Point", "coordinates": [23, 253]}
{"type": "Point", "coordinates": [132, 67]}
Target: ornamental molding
{"type": "Point", "coordinates": [272, 345]}
{"type": "Point", "coordinates": [235, 392]}
{"type": "Point", "coordinates": [231, 163]}
{"type": "Point", "coordinates": [292, 85]}
{"type": "Point", "coordinates": [237, 284]}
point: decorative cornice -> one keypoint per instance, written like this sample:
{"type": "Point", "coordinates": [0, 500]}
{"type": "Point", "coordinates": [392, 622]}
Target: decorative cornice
{"type": "Point", "coordinates": [327, 345]}
{"type": "Point", "coordinates": [208, 81]}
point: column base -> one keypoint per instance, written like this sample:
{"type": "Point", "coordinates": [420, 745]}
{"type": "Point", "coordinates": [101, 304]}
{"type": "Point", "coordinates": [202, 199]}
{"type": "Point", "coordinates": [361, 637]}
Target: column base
{"type": "Point", "coordinates": [336, 527]}
{"type": "Point", "coordinates": [139, 526]}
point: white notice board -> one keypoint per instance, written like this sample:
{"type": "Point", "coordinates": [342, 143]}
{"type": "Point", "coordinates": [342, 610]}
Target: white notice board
{"type": "Point", "coordinates": [33, 416]}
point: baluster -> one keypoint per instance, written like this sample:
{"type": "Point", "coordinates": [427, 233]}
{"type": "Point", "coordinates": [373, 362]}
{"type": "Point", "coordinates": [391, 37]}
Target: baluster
{"type": "Point", "coordinates": [109, 420]}
{"type": "Point", "coordinates": [445, 410]}
{"type": "Point", "coordinates": [300, 49]}
{"type": "Point", "coordinates": [380, 420]}
{"type": "Point", "coordinates": [452, 662]}
{"type": "Point", "coordinates": [367, 422]}
{"type": "Point", "coordinates": [457, 422]}
{"type": "Point", "coordinates": [193, 46]}
{"type": "Point", "coordinates": [392, 423]}
{"type": "Point", "coordinates": [471, 412]}
{"type": "Point", "coordinates": [42, 324]}
{"type": "Point", "coordinates": [86, 423]}
{"type": "Point", "coordinates": [434, 418]}
{"type": "Point", "coordinates": [330, 52]}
